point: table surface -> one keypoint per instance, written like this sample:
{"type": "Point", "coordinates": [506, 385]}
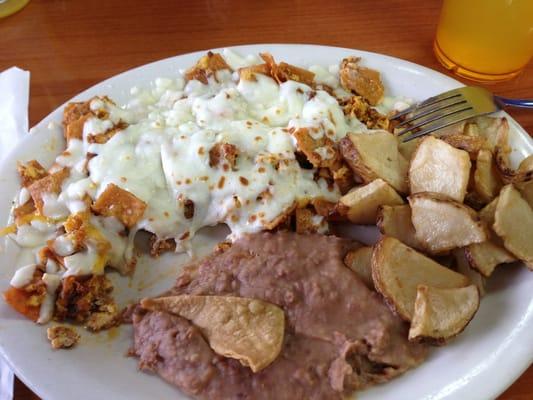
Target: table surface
{"type": "Point", "coordinates": [69, 45]}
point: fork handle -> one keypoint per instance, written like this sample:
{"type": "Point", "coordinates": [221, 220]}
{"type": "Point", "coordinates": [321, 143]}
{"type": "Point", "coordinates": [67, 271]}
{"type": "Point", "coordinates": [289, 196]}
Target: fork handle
{"type": "Point", "coordinates": [522, 103]}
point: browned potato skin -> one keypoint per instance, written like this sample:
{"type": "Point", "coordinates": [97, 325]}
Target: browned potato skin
{"type": "Point", "coordinates": [363, 202]}
{"type": "Point", "coordinates": [384, 248]}
{"type": "Point", "coordinates": [356, 161]}
{"type": "Point", "coordinates": [389, 224]}
{"type": "Point", "coordinates": [360, 262]}
{"type": "Point", "coordinates": [422, 300]}
{"type": "Point", "coordinates": [487, 183]}
{"type": "Point", "coordinates": [439, 198]}
{"type": "Point", "coordinates": [513, 223]}
{"type": "Point", "coordinates": [426, 172]}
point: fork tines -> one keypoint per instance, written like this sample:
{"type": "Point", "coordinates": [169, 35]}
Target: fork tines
{"type": "Point", "coordinates": [434, 113]}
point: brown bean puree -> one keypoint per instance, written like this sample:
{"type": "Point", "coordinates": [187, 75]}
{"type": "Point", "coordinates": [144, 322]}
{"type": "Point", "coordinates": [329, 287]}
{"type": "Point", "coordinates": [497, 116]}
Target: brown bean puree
{"type": "Point", "coordinates": [339, 335]}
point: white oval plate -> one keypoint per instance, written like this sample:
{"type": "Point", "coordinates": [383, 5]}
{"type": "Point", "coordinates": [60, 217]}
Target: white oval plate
{"type": "Point", "coordinates": [492, 352]}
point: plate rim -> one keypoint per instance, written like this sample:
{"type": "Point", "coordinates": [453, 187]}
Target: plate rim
{"type": "Point", "coordinates": [492, 389]}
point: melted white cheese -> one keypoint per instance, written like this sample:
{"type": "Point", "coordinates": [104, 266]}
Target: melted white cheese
{"type": "Point", "coordinates": [47, 307]}
{"type": "Point", "coordinates": [162, 157]}
{"type": "Point", "coordinates": [23, 276]}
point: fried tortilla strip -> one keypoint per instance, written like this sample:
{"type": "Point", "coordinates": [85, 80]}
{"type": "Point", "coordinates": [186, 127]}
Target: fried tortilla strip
{"type": "Point", "coordinates": [358, 107]}
{"type": "Point", "coordinates": [442, 224]}
{"type": "Point", "coordinates": [395, 221]}
{"type": "Point", "coordinates": [307, 221]}
{"type": "Point", "coordinates": [119, 203]}
{"type": "Point", "coordinates": [248, 73]}
{"type": "Point", "coordinates": [248, 330]}
{"type": "Point", "coordinates": [74, 117]}
{"type": "Point", "coordinates": [438, 167]}
{"type": "Point", "coordinates": [442, 313]}
{"type": "Point", "coordinates": [319, 152]}
{"type": "Point", "coordinates": [363, 81]}
{"type": "Point", "coordinates": [362, 203]}
{"type": "Point", "coordinates": [513, 222]}
{"type": "Point", "coordinates": [397, 270]}
{"type": "Point", "coordinates": [205, 67]}
{"type": "Point", "coordinates": [376, 155]}
{"type": "Point", "coordinates": [30, 172]}
{"type": "Point", "coordinates": [62, 337]}
{"type": "Point", "coordinates": [47, 185]}
{"type": "Point", "coordinates": [283, 72]}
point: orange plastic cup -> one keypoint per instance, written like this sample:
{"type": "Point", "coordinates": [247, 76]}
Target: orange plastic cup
{"type": "Point", "coordinates": [485, 40]}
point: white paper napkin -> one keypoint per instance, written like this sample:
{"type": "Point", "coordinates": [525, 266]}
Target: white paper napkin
{"type": "Point", "coordinates": [14, 93]}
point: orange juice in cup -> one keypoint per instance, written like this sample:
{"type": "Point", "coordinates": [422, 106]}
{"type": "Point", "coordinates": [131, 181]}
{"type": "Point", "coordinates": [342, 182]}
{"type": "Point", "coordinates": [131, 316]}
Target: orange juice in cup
{"type": "Point", "coordinates": [485, 40]}
{"type": "Point", "coordinates": [8, 7]}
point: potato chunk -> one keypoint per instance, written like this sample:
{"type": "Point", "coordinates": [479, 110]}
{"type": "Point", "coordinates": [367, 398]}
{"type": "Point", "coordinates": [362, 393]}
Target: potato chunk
{"type": "Point", "coordinates": [360, 262]}
{"type": "Point", "coordinates": [117, 202]}
{"type": "Point", "coordinates": [487, 182]}
{"type": "Point", "coordinates": [376, 155]}
{"type": "Point", "coordinates": [484, 257]}
{"type": "Point", "coordinates": [438, 167]}
{"type": "Point", "coordinates": [463, 267]}
{"type": "Point", "coordinates": [363, 202]}
{"type": "Point", "coordinates": [513, 222]}
{"type": "Point", "coordinates": [442, 224]}
{"type": "Point", "coordinates": [397, 270]}
{"type": "Point", "coordinates": [442, 313]}
{"type": "Point", "coordinates": [395, 221]}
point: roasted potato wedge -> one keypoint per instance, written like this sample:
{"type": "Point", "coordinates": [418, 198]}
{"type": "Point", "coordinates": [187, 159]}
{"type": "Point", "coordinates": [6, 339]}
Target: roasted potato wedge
{"type": "Point", "coordinates": [442, 313]}
{"type": "Point", "coordinates": [362, 202]}
{"type": "Point", "coordinates": [360, 262]}
{"type": "Point", "coordinates": [395, 221]}
{"type": "Point", "coordinates": [494, 130]}
{"type": "Point", "coordinates": [471, 144]}
{"type": "Point", "coordinates": [513, 222]}
{"type": "Point", "coordinates": [376, 155]}
{"type": "Point", "coordinates": [484, 257]}
{"type": "Point", "coordinates": [526, 190]}
{"type": "Point", "coordinates": [526, 164]}
{"type": "Point", "coordinates": [463, 267]}
{"type": "Point", "coordinates": [397, 270]}
{"type": "Point", "coordinates": [487, 182]}
{"type": "Point", "coordinates": [407, 149]}
{"type": "Point", "coordinates": [438, 167]}
{"type": "Point", "coordinates": [442, 224]}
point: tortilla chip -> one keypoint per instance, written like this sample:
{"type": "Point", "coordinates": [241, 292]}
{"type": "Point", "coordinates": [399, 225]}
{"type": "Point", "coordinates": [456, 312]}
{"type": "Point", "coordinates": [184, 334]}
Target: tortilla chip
{"type": "Point", "coordinates": [249, 330]}
{"type": "Point", "coordinates": [49, 184]}
{"type": "Point", "coordinates": [119, 203]}
{"type": "Point", "coordinates": [30, 172]}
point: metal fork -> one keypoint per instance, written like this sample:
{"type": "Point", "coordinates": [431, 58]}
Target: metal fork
{"type": "Point", "coordinates": [451, 107]}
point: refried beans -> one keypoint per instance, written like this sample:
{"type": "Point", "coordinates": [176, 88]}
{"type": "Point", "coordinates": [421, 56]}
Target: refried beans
{"type": "Point", "coordinates": [339, 335]}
